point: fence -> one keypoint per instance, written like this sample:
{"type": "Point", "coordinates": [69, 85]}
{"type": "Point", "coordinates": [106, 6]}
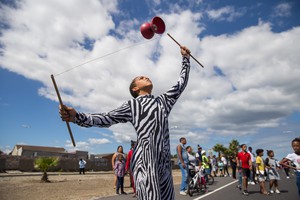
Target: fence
{"type": "Point", "coordinates": [26, 164]}
{"type": "Point", "coordinates": [23, 163]}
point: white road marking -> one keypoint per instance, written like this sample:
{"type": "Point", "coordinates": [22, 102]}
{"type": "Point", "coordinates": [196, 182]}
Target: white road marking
{"type": "Point", "coordinates": [220, 188]}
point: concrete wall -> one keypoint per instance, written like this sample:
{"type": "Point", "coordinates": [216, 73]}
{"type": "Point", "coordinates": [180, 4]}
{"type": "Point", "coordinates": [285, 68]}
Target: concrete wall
{"type": "Point", "coordinates": [26, 164]}
{"type": "Point", "coordinates": [65, 164]}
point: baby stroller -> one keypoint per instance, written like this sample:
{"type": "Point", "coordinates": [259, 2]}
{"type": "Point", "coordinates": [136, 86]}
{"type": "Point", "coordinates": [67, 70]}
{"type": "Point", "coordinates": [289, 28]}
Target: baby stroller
{"type": "Point", "coordinates": [196, 180]}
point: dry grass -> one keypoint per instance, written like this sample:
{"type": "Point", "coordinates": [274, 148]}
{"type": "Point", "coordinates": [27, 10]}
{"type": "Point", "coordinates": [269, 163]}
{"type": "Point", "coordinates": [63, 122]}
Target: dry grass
{"type": "Point", "coordinates": [62, 187]}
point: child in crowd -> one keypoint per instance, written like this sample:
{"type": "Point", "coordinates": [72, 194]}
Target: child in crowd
{"type": "Point", "coordinates": [214, 165]}
{"type": "Point", "coordinates": [260, 171]}
{"type": "Point", "coordinates": [295, 159]}
{"type": "Point", "coordinates": [220, 167]}
{"type": "Point", "coordinates": [272, 170]}
{"type": "Point", "coordinates": [120, 172]}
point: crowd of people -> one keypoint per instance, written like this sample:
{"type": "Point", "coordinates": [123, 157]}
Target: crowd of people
{"type": "Point", "coordinates": [247, 167]}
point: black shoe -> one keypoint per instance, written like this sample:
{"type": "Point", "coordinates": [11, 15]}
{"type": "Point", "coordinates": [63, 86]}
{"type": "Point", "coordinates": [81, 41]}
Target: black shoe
{"type": "Point", "coordinates": [245, 193]}
{"type": "Point", "coordinates": [123, 193]}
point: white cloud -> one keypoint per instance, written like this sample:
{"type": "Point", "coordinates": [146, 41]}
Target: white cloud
{"type": "Point", "coordinates": [93, 141]}
{"type": "Point", "coordinates": [227, 13]}
{"type": "Point", "coordinates": [260, 86]}
{"type": "Point", "coordinates": [282, 10]}
{"type": "Point", "coordinates": [262, 66]}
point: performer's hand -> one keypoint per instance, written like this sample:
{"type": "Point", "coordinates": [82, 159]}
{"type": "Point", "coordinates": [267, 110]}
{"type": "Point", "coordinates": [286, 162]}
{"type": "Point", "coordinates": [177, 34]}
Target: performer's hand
{"type": "Point", "coordinates": [185, 51]}
{"type": "Point", "coordinates": [67, 113]}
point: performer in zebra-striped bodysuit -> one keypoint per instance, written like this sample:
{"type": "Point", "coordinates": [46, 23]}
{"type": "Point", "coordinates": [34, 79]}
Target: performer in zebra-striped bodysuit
{"type": "Point", "coordinates": [151, 159]}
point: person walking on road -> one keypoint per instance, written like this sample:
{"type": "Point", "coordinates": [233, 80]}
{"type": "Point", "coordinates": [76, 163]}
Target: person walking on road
{"type": "Point", "coordinates": [233, 165]}
{"type": "Point", "coordinates": [252, 180]}
{"type": "Point", "coordinates": [272, 166]}
{"type": "Point", "coordinates": [260, 170]}
{"type": "Point", "coordinates": [244, 159]}
{"type": "Point", "coordinates": [225, 164]}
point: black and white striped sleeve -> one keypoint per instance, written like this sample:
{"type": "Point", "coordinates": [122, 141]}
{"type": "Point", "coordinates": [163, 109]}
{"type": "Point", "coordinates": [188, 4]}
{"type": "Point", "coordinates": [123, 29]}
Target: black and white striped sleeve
{"type": "Point", "coordinates": [119, 115]}
{"type": "Point", "coordinates": [171, 96]}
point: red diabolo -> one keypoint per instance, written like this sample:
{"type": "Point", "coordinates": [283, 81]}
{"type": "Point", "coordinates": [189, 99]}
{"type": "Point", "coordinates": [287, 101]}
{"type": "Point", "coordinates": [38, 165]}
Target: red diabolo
{"type": "Point", "coordinates": [146, 30]}
{"type": "Point", "coordinates": [156, 25]}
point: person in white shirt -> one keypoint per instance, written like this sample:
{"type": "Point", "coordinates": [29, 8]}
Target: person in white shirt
{"type": "Point", "coordinates": [82, 166]}
{"type": "Point", "coordinates": [252, 172]}
{"type": "Point", "coordinates": [295, 159]}
{"type": "Point", "coordinates": [224, 160]}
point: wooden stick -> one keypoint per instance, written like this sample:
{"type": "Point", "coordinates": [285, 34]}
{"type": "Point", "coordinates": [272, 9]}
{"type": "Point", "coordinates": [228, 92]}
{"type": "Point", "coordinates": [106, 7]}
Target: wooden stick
{"type": "Point", "coordinates": [189, 54]}
{"type": "Point", "coordinates": [61, 104]}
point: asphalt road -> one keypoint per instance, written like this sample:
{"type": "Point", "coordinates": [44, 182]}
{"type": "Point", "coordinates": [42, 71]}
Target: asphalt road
{"type": "Point", "coordinates": [226, 188]}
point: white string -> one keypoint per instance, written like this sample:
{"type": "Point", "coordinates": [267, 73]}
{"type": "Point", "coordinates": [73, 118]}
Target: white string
{"type": "Point", "coordinates": [137, 44]}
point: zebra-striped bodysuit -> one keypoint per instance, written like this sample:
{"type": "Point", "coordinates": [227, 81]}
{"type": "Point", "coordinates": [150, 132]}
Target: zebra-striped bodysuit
{"type": "Point", "coordinates": [151, 159]}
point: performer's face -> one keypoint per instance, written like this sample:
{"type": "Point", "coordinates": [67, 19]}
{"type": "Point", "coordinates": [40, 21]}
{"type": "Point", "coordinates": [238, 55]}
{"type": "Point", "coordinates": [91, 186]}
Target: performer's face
{"type": "Point", "coordinates": [143, 83]}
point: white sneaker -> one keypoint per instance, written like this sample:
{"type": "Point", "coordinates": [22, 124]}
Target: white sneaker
{"type": "Point", "coordinates": [277, 191]}
{"type": "Point", "coordinates": [287, 177]}
{"type": "Point", "coordinates": [252, 183]}
{"type": "Point", "coordinates": [182, 192]}
{"type": "Point", "coordinates": [271, 191]}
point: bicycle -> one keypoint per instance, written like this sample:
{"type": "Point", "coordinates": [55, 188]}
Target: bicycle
{"type": "Point", "coordinates": [196, 181]}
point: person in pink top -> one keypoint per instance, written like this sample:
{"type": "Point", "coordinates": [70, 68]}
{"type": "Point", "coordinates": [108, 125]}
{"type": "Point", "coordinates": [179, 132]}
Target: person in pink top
{"type": "Point", "coordinates": [244, 159]}
{"type": "Point", "coordinates": [120, 172]}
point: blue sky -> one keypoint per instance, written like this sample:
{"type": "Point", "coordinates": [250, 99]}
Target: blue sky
{"type": "Point", "coordinates": [249, 89]}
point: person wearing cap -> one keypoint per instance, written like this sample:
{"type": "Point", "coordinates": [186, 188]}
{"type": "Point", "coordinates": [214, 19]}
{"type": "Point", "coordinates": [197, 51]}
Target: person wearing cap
{"type": "Point", "coordinates": [199, 156]}
{"type": "Point", "coordinates": [205, 162]}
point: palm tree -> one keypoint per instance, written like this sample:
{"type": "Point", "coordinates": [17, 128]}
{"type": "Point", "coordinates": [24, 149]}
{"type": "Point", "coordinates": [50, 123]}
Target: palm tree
{"type": "Point", "coordinates": [233, 147]}
{"type": "Point", "coordinates": [44, 163]}
{"type": "Point", "coordinates": [219, 148]}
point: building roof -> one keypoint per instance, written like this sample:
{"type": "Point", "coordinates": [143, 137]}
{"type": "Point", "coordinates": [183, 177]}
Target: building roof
{"type": "Point", "coordinates": [41, 148]}
{"type": "Point", "coordinates": [106, 155]}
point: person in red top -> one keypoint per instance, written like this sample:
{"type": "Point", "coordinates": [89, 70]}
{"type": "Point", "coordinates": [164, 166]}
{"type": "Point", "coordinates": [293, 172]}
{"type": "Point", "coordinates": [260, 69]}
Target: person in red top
{"type": "Point", "coordinates": [244, 159]}
{"type": "Point", "coordinates": [127, 167]}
